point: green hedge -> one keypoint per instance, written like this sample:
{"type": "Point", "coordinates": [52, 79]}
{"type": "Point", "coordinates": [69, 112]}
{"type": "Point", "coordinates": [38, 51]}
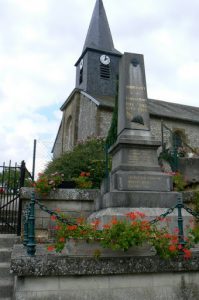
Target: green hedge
{"type": "Point", "coordinates": [88, 156]}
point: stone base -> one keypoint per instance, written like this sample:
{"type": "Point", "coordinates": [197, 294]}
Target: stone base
{"type": "Point", "coordinates": [138, 198]}
{"type": "Point", "coordinates": [92, 248]}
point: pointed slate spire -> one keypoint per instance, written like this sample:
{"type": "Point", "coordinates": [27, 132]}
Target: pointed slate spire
{"type": "Point", "coordinates": [99, 35]}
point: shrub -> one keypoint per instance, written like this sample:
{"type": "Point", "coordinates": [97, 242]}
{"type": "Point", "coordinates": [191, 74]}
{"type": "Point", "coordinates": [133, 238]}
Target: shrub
{"type": "Point", "coordinates": [88, 156]}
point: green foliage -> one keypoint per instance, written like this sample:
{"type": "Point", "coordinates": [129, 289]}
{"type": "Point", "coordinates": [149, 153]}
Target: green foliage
{"type": "Point", "coordinates": [10, 177]}
{"type": "Point", "coordinates": [88, 156]}
{"type": "Point", "coordinates": [179, 182]}
{"type": "Point", "coordinates": [45, 183]}
{"type": "Point", "coordinates": [112, 133]}
{"type": "Point", "coordinates": [83, 181]}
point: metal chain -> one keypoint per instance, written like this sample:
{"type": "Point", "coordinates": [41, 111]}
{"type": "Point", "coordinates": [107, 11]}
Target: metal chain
{"type": "Point", "coordinates": [53, 213]}
{"type": "Point", "coordinates": [162, 216]}
{"type": "Point", "coordinates": [191, 211]}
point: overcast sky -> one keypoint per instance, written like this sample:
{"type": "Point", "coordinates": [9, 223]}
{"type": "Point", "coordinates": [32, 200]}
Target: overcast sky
{"type": "Point", "coordinates": [40, 40]}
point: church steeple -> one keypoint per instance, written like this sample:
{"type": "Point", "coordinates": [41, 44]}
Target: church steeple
{"type": "Point", "coordinates": [98, 66]}
{"type": "Point", "coordinates": [99, 35]}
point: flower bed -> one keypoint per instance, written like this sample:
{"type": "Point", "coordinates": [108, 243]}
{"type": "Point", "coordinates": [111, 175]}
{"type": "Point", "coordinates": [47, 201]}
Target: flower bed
{"type": "Point", "coordinates": [122, 235]}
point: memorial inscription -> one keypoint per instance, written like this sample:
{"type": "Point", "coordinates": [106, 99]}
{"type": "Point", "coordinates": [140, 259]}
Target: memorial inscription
{"type": "Point", "coordinates": [136, 181]}
{"type": "Point", "coordinates": [138, 157]}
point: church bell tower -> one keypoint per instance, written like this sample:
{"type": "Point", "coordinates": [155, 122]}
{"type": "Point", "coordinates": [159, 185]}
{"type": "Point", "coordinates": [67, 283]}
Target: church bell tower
{"type": "Point", "coordinates": [98, 66]}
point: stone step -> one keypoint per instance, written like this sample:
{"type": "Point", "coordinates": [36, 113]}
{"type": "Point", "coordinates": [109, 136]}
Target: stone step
{"type": "Point", "coordinates": [6, 287]}
{"type": "Point", "coordinates": [8, 240]}
{"type": "Point", "coordinates": [5, 254]}
{"type": "Point", "coordinates": [4, 269]}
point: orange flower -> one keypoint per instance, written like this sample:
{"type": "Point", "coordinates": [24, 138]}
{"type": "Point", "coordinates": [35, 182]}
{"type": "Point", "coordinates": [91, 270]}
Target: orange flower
{"type": "Point", "coordinates": [80, 220]}
{"type": "Point", "coordinates": [132, 215]}
{"type": "Point", "coordinates": [167, 235]}
{"type": "Point", "coordinates": [71, 227]}
{"type": "Point", "coordinates": [172, 248]}
{"type": "Point", "coordinates": [58, 210]}
{"type": "Point", "coordinates": [62, 239]}
{"type": "Point", "coordinates": [187, 253]}
{"type": "Point", "coordinates": [106, 226]}
{"type": "Point", "coordinates": [51, 248]}
{"type": "Point", "coordinates": [114, 221]}
{"type": "Point", "coordinates": [145, 225]}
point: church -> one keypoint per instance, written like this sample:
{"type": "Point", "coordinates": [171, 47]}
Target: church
{"type": "Point", "coordinates": [88, 109]}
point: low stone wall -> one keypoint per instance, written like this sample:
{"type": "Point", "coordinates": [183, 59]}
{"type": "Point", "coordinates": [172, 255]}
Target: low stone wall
{"type": "Point", "coordinates": [57, 276]}
{"type": "Point", "coordinates": [72, 202]}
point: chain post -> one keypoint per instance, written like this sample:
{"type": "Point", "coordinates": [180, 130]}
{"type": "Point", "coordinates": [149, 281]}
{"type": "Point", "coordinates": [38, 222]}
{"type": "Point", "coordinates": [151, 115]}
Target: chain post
{"type": "Point", "coordinates": [25, 223]}
{"type": "Point", "coordinates": [181, 240]}
{"type": "Point", "coordinates": [31, 245]}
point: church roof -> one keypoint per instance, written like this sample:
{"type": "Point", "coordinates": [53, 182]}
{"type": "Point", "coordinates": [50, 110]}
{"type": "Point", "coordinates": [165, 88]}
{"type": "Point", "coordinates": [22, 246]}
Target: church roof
{"type": "Point", "coordinates": [158, 108]}
{"type": "Point", "coordinates": [171, 110]}
{"type": "Point", "coordinates": [99, 35]}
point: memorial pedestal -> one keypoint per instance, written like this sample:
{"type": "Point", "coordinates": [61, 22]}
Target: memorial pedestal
{"type": "Point", "coordinates": [136, 181]}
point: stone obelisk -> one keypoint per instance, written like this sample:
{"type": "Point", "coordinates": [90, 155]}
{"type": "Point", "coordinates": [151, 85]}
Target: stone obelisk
{"type": "Point", "coordinates": [135, 179]}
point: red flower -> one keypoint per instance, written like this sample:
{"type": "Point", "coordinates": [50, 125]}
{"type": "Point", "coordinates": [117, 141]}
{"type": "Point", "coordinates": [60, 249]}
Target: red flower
{"type": "Point", "coordinates": [106, 226]}
{"type": "Point", "coordinates": [167, 235]}
{"type": "Point", "coordinates": [114, 221]}
{"type": "Point", "coordinates": [53, 218]}
{"type": "Point", "coordinates": [62, 239]}
{"type": "Point", "coordinates": [82, 174]}
{"type": "Point", "coordinates": [172, 248]}
{"type": "Point", "coordinates": [71, 227]}
{"type": "Point", "coordinates": [187, 253]}
{"type": "Point", "coordinates": [132, 215]}
{"type": "Point", "coordinates": [51, 248]}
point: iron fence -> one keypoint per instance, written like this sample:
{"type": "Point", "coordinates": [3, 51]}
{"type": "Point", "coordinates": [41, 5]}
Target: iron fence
{"type": "Point", "coordinates": [12, 178]}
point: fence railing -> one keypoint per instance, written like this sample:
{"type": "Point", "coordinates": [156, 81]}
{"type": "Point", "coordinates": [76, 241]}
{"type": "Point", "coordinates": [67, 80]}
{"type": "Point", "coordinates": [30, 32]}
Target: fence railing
{"type": "Point", "coordinates": [29, 221]}
{"type": "Point", "coordinates": [12, 178]}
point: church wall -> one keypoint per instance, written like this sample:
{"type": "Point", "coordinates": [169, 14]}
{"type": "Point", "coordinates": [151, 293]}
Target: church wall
{"type": "Point", "coordinates": [57, 151]}
{"type": "Point", "coordinates": [104, 120]}
{"type": "Point", "coordinates": [70, 117]}
{"type": "Point", "coordinates": [190, 130]}
{"type": "Point", "coordinates": [87, 119]}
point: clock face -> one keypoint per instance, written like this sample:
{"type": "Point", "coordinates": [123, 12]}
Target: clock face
{"type": "Point", "coordinates": [105, 59]}
{"type": "Point", "coordinates": [81, 64]}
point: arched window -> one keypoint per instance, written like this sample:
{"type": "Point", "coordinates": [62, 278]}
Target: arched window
{"type": "Point", "coordinates": [178, 139]}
